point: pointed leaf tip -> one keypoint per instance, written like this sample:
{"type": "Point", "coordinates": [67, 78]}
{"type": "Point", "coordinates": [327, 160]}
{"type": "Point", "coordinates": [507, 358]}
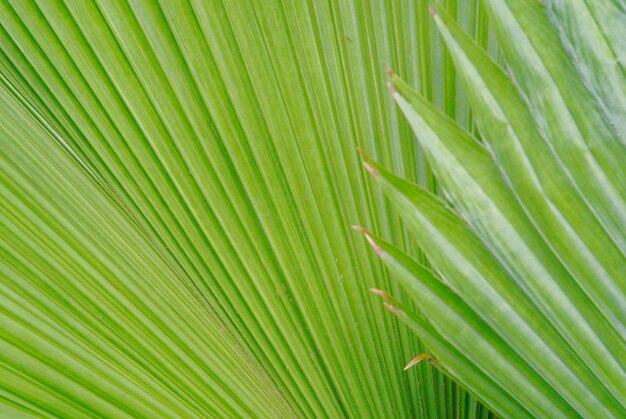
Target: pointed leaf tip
{"type": "Point", "coordinates": [389, 71]}
{"type": "Point", "coordinates": [391, 88]}
{"type": "Point", "coordinates": [416, 361]}
{"type": "Point", "coordinates": [392, 308]}
{"type": "Point", "coordinates": [377, 248]}
{"type": "Point", "coordinates": [371, 170]}
{"type": "Point", "coordinates": [432, 10]}
{"type": "Point", "coordinates": [362, 153]}
{"type": "Point", "coordinates": [359, 229]}
{"type": "Point", "coordinates": [380, 293]}
{"type": "Point", "coordinates": [371, 241]}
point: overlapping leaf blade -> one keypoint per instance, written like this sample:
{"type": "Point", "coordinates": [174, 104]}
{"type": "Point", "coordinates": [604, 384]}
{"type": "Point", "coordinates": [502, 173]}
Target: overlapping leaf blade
{"type": "Point", "coordinates": [226, 133]}
{"type": "Point", "coordinates": [543, 210]}
{"type": "Point", "coordinates": [564, 109]}
{"type": "Point", "coordinates": [532, 170]}
{"type": "Point", "coordinates": [598, 52]}
{"type": "Point", "coordinates": [473, 271]}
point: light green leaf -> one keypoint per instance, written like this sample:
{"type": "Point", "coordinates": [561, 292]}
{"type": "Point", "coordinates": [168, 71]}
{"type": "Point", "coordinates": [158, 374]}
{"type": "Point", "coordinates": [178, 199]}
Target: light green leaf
{"type": "Point", "coordinates": [479, 279]}
{"type": "Point", "coordinates": [564, 219]}
{"type": "Point", "coordinates": [177, 182]}
{"type": "Point", "coordinates": [448, 358]}
{"type": "Point", "coordinates": [109, 341]}
{"type": "Point", "coordinates": [598, 52]}
{"type": "Point", "coordinates": [221, 135]}
{"type": "Point", "coordinates": [564, 110]}
{"type": "Point", "coordinates": [530, 237]}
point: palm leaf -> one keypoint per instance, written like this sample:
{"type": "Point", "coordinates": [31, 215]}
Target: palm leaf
{"type": "Point", "coordinates": [178, 182]}
{"type": "Point", "coordinates": [178, 179]}
{"type": "Point", "coordinates": [529, 241]}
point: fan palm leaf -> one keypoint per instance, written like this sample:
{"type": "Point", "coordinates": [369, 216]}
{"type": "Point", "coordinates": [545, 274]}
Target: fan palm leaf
{"type": "Point", "coordinates": [177, 182]}
{"type": "Point", "coordinates": [191, 159]}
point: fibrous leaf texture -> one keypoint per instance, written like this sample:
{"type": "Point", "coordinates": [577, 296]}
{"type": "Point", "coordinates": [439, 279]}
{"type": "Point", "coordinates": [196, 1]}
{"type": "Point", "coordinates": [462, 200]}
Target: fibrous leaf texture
{"type": "Point", "coordinates": [177, 185]}
{"type": "Point", "coordinates": [178, 180]}
{"type": "Point", "coordinates": [528, 268]}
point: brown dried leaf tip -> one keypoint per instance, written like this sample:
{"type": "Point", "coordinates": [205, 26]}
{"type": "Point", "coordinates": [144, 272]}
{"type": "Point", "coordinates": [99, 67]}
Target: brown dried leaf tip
{"type": "Point", "coordinates": [389, 71]}
{"type": "Point", "coordinates": [391, 308]}
{"type": "Point", "coordinates": [370, 169]}
{"type": "Point", "coordinates": [362, 153]}
{"type": "Point", "coordinates": [359, 229]}
{"type": "Point", "coordinates": [416, 361]}
{"type": "Point", "coordinates": [380, 293]}
{"type": "Point", "coordinates": [377, 248]}
{"type": "Point", "coordinates": [371, 241]}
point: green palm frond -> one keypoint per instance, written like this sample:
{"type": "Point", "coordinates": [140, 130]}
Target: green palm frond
{"type": "Point", "coordinates": [527, 248]}
{"type": "Point", "coordinates": [173, 160]}
{"type": "Point", "coordinates": [178, 180]}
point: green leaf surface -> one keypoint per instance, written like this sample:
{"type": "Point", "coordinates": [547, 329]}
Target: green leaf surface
{"type": "Point", "coordinates": [564, 109]}
{"type": "Point", "coordinates": [565, 219]}
{"type": "Point", "coordinates": [469, 334]}
{"type": "Point", "coordinates": [477, 276]}
{"type": "Point", "coordinates": [448, 358]}
{"type": "Point", "coordinates": [221, 136]}
{"type": "Point", "coordinates": [177, 182]}
{"type": "Point", "coordinates": [131, 347]}
{"type": "Point", "coordinates": [598, 52]}
{"type": "Point", "coordinates": [529, 237]}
